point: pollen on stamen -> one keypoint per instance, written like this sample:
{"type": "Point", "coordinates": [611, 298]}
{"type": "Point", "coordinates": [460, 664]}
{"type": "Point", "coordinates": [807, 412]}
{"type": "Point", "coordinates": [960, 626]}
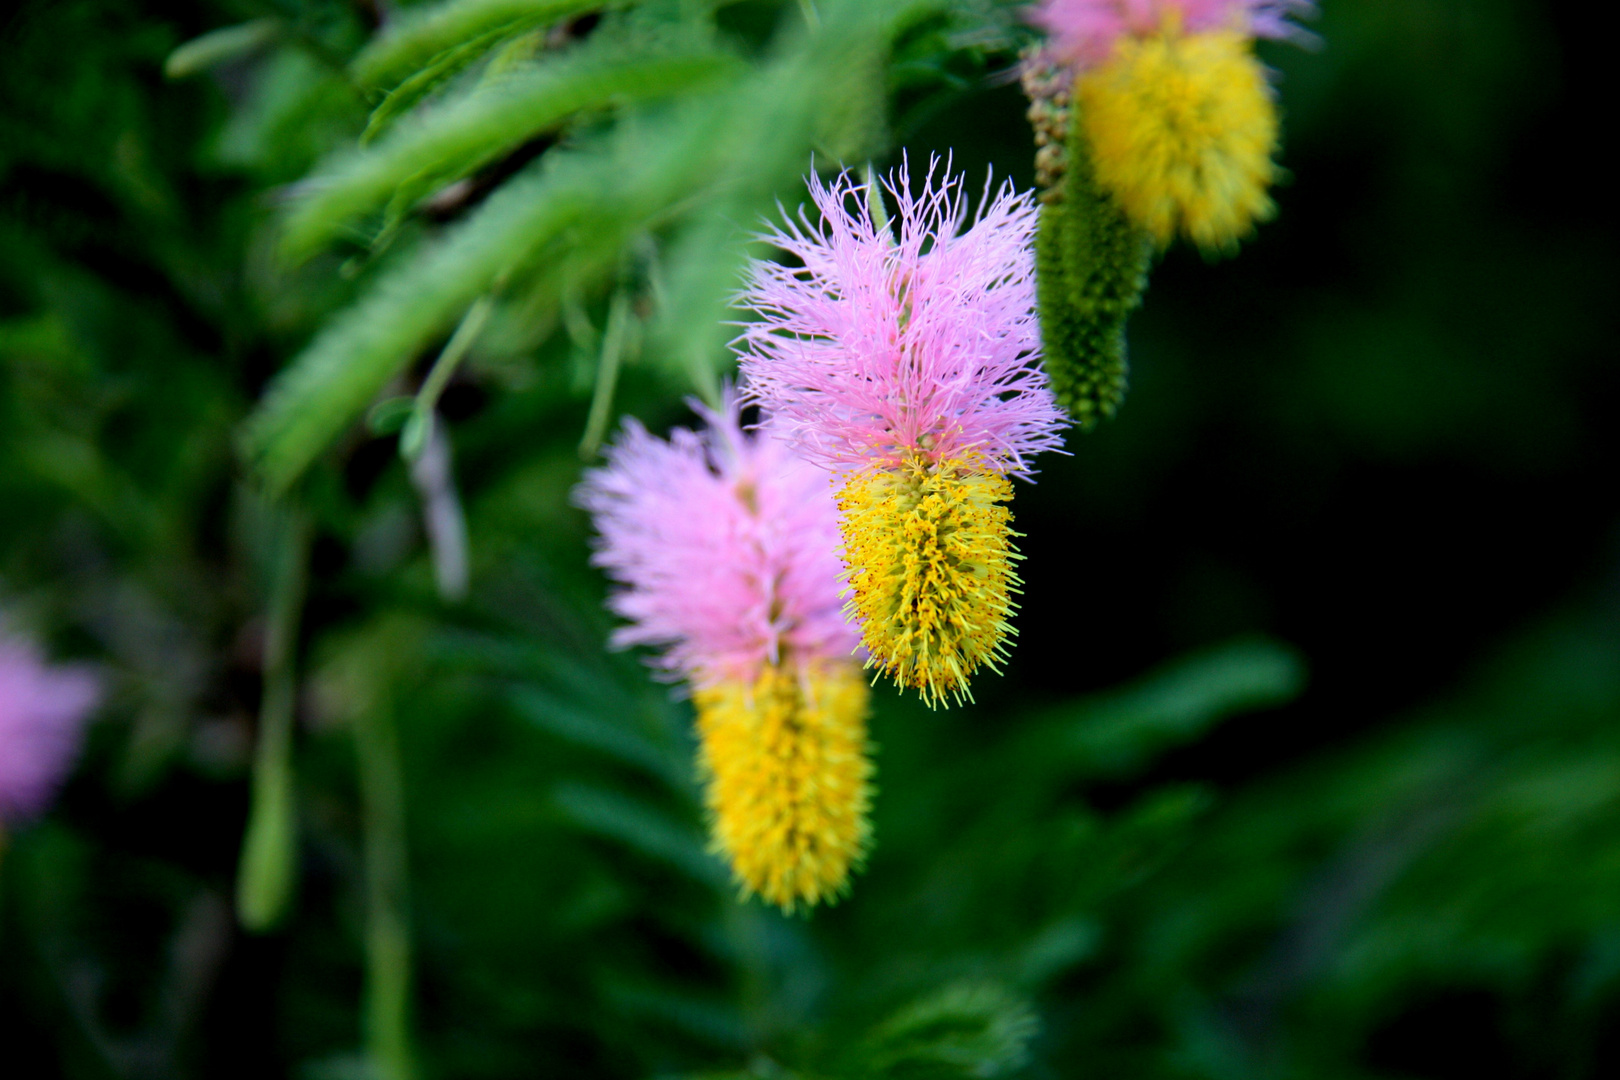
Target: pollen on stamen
{"type": "Point", "coordinates": [725, 545]}
{"type": "Point", "coordinates": [931, 581]}
{"type": "Point", "coordinates": [787, 780]}
{"type": "Point", "coordinates": [1182, 129]}
{"type": "Point", "coordinates": [905, 359]}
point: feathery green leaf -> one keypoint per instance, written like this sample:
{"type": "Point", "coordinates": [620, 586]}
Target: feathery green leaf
{"type": "Point", "coordinates": [413, 41]}
{"type": "Point", "coordinates": [640, 827]}
{"type": "Point", "coordinates": [455, 140]}
{"type": "Point", "coordinates": [333, 380]}
{"type": "Point", "coordinates": [1120, 732]}
{"type": "Point", "coordinates": [422, 85]}
{"type": "Point", "coordinates": [217, 46]}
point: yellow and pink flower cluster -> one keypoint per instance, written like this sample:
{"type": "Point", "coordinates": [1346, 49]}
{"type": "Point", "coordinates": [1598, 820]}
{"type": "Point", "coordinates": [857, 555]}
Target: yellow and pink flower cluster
{"type": "Point", "coordinates": [897, 375]}
{"type": "Point", "coordinates": [897, 371]}
{"type": "Point", "coordinates": [1174, 107]}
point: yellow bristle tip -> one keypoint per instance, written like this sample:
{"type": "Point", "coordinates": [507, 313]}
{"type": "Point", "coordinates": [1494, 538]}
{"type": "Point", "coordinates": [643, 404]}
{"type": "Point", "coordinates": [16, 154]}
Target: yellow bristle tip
{"type": "Point", "coordinates": [787, 780]}
{"type": "Point", "coordinates": [1182, 129]}
{"type": "Point", "coordinates": [930, 552]}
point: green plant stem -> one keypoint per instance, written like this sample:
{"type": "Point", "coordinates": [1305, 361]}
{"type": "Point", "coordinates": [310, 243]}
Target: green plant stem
{"type": "Point", "coordinates": [874, 202]}
{"type": "Point", "coordinates": [607, 374]}
{"type": "Point", "coordinates": [420, 425]}
{"type": "Point", "coordinates": [269, 847]}
{"type": "Point", "coordinates": [433, 476]}
{"type": "Point", "coordinates": [388, 942]}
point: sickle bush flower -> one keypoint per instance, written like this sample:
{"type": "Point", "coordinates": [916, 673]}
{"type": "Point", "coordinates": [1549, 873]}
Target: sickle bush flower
{"type": "Point", "coordinates": [1175, 108]}
{"type": "Point", "coordinates": [42, 714]}
{"type": "Point", "coordinates": [726, 545]}
{"type": "Point", "coordinates": [1084, 32]}
{"type": "Point", "coordinates": [909, 366]}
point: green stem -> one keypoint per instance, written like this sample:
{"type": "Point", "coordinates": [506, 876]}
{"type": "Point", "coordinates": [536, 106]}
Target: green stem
{"type": "Point", "coordinates": [269, 848]}
{"type": "Point", "coordinates": [433, 475]}
{"type": "Point", "coordinates": [388, 942]}
{"type": "Point", "coordinates": [420, 425]}
{"type": "Point", "coordinates": [607, 374]}
{"type": "Point", "coordinates": [874, 203]}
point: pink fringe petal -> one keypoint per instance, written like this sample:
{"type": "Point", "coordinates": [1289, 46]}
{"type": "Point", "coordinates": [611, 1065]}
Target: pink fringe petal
{"type": "Point", "coordinates": [876, 346]}
{"type": "Point", "coordinates": [1083, 32]}
{"type": "Point", "coordinates": [42, 714]}
{"type": "Point", "coordinates": [726, 543]}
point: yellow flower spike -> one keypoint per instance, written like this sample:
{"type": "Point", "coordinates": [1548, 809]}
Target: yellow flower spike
{"type": "Point", "coordinates": [787, 780]}
{"type": "Point", "coordinates": [930, 551]}
{"type": "Point", "coordinates": [1182, 129]}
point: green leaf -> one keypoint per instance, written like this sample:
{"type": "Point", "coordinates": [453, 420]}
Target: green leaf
{"type": "Point", "coordinates": [217, 46]}
{"type": "Point", "coordinates": [389, 415]}
{"type": "Point", "coordinates": [295, 111]}
{"type": "Point", "coordinates": [1121, 732]}
{"type": "Point", "coordinates": [966, 1030]}
{"type": "Point", "coordinates": [750, 141]}
{"type": "Point", "coordinates": [331, 382]}
{"type": "Point", "coordinates": [695, 319]}
{"type": "Point", "coordinates": [641, 828]}
{"type": "Point", "coordinates": [268, 872]}
{"type": "Point", "coordinates": [413, 41]}
{"type": "Point", "coordinates": [456, 139]}
{"type": "Point", "coordinates": [446, 66]}
{"type": "Point", "coordinates": [610, 736]}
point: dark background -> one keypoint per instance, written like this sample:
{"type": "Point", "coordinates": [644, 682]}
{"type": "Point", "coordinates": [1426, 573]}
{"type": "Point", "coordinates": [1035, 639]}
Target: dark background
{"type": "Point", "coordinates": [1376, 446]}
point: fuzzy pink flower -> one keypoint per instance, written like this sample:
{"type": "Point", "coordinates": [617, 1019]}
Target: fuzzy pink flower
{"type": "Point", "coordinates": [42, 714]}
{"type": "Point", "coordinates": [877, 348]}
{"type": "Point", "coordinates": [727, 545]}
{"type": "Point", "coordinates": [1083, 32]}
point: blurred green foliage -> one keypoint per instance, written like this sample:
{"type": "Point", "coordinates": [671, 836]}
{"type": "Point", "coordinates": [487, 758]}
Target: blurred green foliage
{"type": "Point", "coordinates": [1382, 434]}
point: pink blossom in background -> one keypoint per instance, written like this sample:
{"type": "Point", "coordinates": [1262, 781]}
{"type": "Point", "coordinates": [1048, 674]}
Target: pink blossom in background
{"type": "Point", "coordinates": [726, 543]}
{"type": "Point", "coordinates": [1083, 32]}
{"type": "Point", "coordinates": [878, 347]}
{"type": "Point", "coordinates": [42, 715]}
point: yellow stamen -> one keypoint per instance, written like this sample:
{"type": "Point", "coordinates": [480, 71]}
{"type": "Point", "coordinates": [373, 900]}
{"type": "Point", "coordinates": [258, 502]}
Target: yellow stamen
{"type": "Point", "coordinates": [787, 780]}
{"type": "Point", "coordinates": [930, 554]}
{"type": "Point", "coordinates": [1181, 130]}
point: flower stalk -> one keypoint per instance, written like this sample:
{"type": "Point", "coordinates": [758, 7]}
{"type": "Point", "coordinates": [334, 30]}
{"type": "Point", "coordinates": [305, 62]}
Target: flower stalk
{"type": "Point", "coordinates": [267, 875]}
{"type": "Point", "coordinates": [387, 1000]}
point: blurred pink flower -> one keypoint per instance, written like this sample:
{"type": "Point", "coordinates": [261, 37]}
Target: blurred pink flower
{"type": "Point", "coordinates": [881, 348]}
{"type": "Point", "coordinates": [1083, 32]}
{"type": "Point", "coordinates": [42, 715]}
{"type": "Point", "coordinates": [727, 545]}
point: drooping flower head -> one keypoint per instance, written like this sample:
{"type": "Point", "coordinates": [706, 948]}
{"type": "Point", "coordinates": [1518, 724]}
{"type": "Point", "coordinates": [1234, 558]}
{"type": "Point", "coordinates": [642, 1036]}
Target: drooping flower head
{"type": "Point", "coordinates": [884, 348]}
{"type": "Point", "coordinates": [725, 545]}
{"type": "Point", "coordinates": [908, 362]}
{"type": "Point", "coordinates": [787, 780]}
{"type": "Point", "coordinates": [1179, 121]}
{"type": "Point", "coordinates": [42, 714]}
{"type": "Point", "coordinates": [1084, 32]}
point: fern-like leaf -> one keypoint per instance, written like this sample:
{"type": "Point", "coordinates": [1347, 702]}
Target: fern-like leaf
{"type": "Point", "coordinates": [414, 40]}
{"type": "Point", "coordinates": [334, 379]}
{"type": "Point", "coordinates": [456, 139]}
